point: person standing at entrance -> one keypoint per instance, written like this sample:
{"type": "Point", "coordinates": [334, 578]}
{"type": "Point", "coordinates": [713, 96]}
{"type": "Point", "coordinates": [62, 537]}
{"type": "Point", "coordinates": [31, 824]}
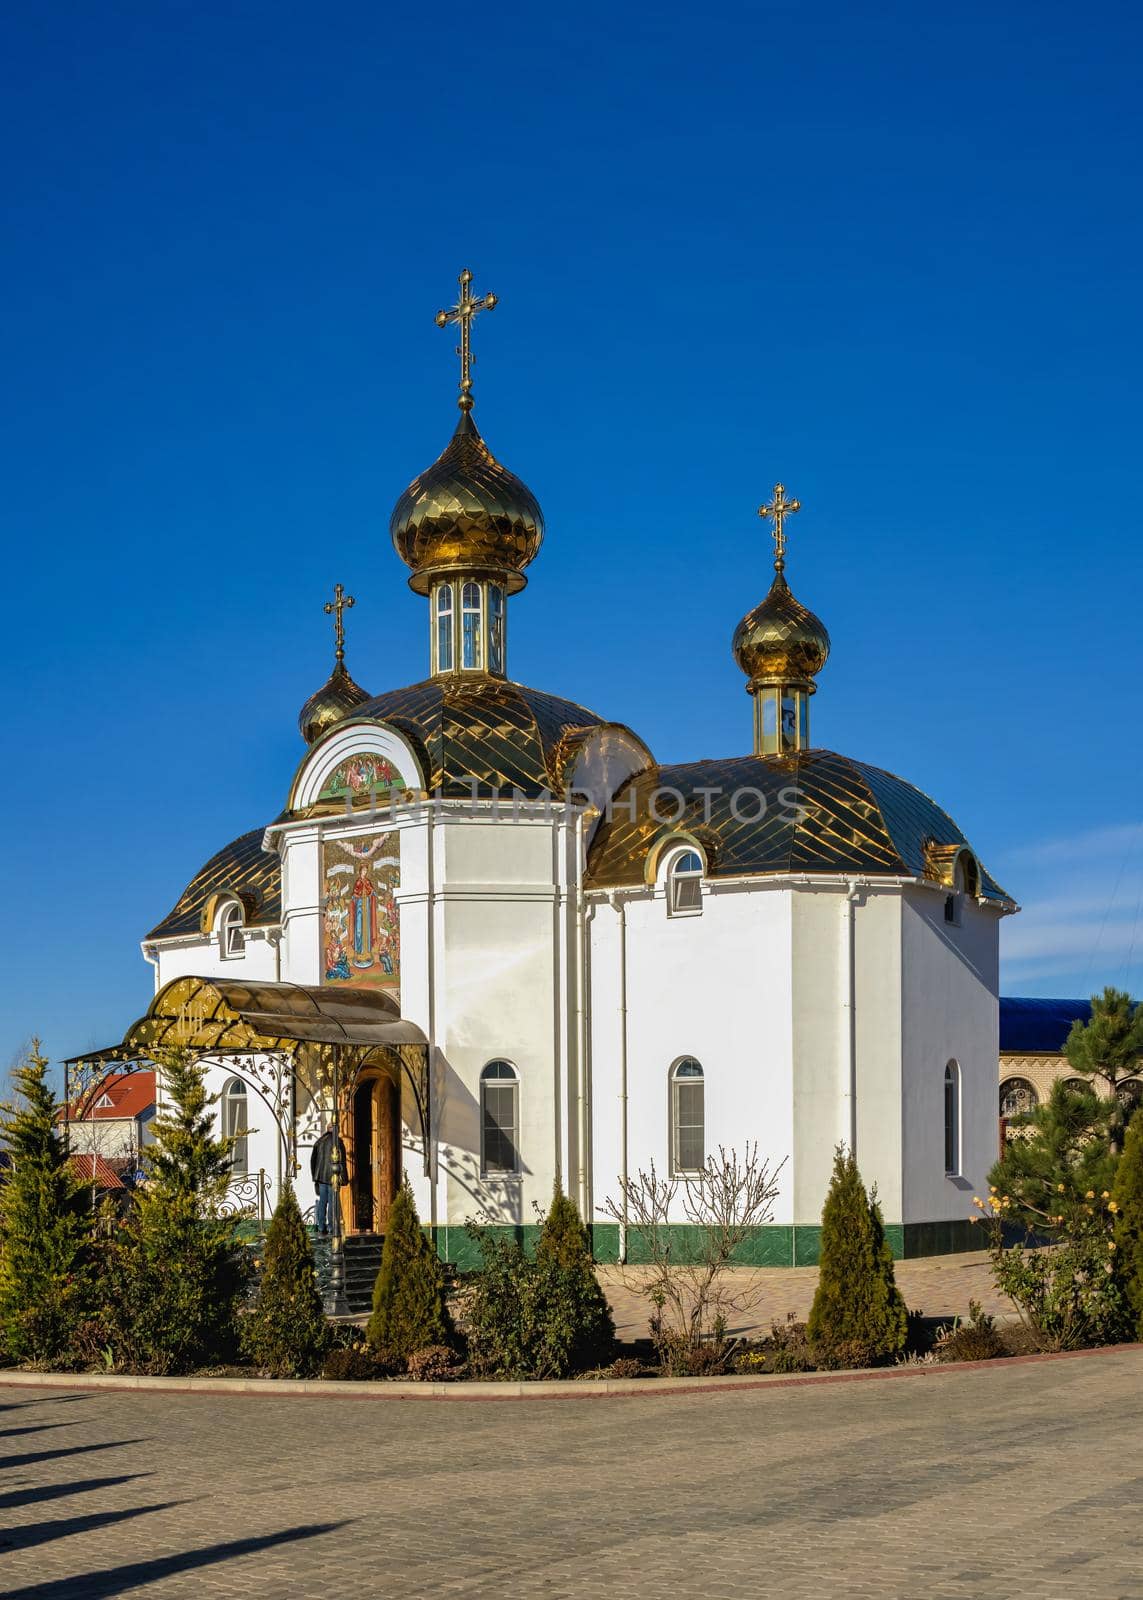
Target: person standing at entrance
{"type": "Point", "coordinates": [321, 1170]}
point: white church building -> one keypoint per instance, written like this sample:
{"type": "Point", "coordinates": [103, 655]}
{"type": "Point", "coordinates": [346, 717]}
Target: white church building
{"type": "Point", "coordinates": [605, 962]}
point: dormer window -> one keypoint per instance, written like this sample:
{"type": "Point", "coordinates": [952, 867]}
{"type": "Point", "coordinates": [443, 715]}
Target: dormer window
{"type": "Point", "coordinates": [231, 938]}
{"type": "Point", "coordinates": [684, 884]}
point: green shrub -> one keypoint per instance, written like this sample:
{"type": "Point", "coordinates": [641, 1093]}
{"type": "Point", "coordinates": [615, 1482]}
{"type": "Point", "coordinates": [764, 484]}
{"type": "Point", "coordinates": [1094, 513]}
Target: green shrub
{"type": "Point", "coordinates": [1127, 1194]}
{"type": "Point", "coordinates": [175, 1274]}
{"type": "Point", "coordinates": [286, 1333]}
{"type": "Point", "coordinates": [564, 1243]}
{"type": "Point", "coordinates": [354, 1363]}
{"type": "Point", "coordinates": [409, 1308]}
{"type": "Point", "coordinates": [975, 1340]}
{"type": "Point", "coordinates": [1064, 1141]}
{"type": "Point", "coordinates": [858, 1310]}
{"type": "Point", "coordinates": [45, 1227]}
{"type": "Point", "coordinates": [437, 1363]}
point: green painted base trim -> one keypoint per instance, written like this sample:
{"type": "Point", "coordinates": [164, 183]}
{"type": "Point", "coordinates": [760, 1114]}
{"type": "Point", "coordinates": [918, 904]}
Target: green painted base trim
{"type": "Point", "coordinates": [778, 1245]}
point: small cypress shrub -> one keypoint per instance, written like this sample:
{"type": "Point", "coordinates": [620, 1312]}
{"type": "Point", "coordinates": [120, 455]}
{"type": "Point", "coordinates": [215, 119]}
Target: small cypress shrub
{"type": "Point", "coordinates": [176, 1273]}
{"type": "Point", "coordinates": [409, 1307]}
{"type": "Point", "coordinates": [564, 1245]}
{"type": "Point", "coordinates": [857, 1306]}
{"type": "Point", "coordinates": [45, 1226]}
{"type": "Point", "coordinates": [286, 1333]}
{"type": "Point", "coordinates": [1127, 1197]}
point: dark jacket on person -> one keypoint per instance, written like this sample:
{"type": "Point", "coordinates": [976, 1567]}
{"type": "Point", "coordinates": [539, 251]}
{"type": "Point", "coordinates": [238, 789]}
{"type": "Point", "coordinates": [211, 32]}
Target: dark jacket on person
{"type": "Point", "coordinates": [321, 1159]}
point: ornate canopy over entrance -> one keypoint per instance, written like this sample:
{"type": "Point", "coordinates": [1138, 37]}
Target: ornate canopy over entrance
{"type": "Point", "coordinates": [267, 1033]}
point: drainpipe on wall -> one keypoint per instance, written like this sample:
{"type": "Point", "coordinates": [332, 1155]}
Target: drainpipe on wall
{"type": "Point", "coordinates": [580, 1025]}
{"type": "Point", "coordinates": [848, 1021]}
{"type": "Point", "coordinates": [430, 952]}
{"type": "Point", "coordinates": [620, 908]}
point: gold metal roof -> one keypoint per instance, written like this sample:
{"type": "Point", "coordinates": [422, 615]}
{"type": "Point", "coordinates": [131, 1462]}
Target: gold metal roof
{"type": "Point", "coordinates": [241, 868]}
{"type": "Point", "coordinates": [781, 638]}
{"type": "Point", "coordinates": [811, 812]}
{"type": "Point", "coordinates": [336, 698]}
{"type": "Point", "coordinates": [467, 513]}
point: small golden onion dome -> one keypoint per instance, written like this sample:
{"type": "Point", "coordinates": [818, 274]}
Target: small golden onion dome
{"type": "Point", "coordinates": [780, 638]}
{"type": "Point", "coordinates": [467, 513]}
{"type": "Point", "coordinates": [336, 698]}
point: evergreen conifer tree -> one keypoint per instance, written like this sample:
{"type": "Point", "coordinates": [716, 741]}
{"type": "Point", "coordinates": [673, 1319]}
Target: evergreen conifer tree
{"type": "Point", "coordinates": [1108, 1050]}
{"type": "Point", "coordinates": [1062, 1147]}
{"type": "Point", "coordinates": [1127, 1194]}
{"type": "Point", "coordinates": [564, 1246]}
{"type": "Point", "coordinates": [177, 1271]}
{"type": "Point", "coordinates": [409, 1308]}
{"type": "Point", "coordinates": [858, 1313]}
{"type": "Point", "coordinates": [286, 1333]}
{"type": "Point", "coordinates": [45, 1225]}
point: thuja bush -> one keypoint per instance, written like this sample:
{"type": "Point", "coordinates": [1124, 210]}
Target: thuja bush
{"type": "Point", "coordinates": [543, 1316]}
{"type": "Point", "coordinates": [286, 1333]}
{"type": "Point", "coordinates": [858, 1316]}
{"type": "Point", "coordinates": [45, 1226]}
{"type": "Point", "coordinates": [410, 1311]}
{"type": "Point", "coordinates": [175, 1273]}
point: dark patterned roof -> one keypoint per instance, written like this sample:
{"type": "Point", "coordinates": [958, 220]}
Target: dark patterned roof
{"type": "Point", "coordinates": [484, 730]}
{"type": "Point", "coordinates": [242, 868]}
{"type": "Point", "coordinates": [1038, 1027]}
{"type": "Point", "coordinates": [822, 813]}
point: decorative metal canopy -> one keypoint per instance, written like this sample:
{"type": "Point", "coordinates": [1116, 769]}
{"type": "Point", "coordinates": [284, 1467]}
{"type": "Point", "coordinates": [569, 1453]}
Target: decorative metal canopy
{"type": "Point", "coordinates": [327, 1036]}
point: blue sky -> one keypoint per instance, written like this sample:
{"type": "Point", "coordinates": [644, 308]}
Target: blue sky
{"type": "Point", "coordinates": [886, 254]}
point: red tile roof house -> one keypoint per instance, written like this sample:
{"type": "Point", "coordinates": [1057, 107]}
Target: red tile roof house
{"type": "Point", "coordinates": [112, 1126]}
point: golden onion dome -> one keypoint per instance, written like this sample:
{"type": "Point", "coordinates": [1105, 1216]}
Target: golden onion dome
{"type": "Point", "coordinates": [336, 698]}
{"type": "Point", "coordinates": [466, 513]}
{"type": "Point", "coordinates": [780, 638]}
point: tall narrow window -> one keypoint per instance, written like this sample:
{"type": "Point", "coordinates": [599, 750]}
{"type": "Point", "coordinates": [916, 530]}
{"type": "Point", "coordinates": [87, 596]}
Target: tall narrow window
{"type": "Point", "coordinates": [684, 884]}
{"type": "Point", "coordinates": [444, 628]}
{"type": "Point", "coordinates": [688, 1117]}
{"type": "Point", "coordinates": [952, 1119]}
{"type": "Point", "coordinates": [231, 940]}
{"type": "Point", "coordinates": [234, 1125]}
{"type": "Point", "coordinates": [470, 627]}
{"type": "Point", "coordinates": [495, 628]}
{"type": "Point", "coordinates": [499, 1118]}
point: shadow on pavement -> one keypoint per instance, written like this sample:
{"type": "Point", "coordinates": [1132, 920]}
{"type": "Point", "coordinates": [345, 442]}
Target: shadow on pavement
{"type": "Point", "coordinates": [52, 1491]}
{"type": "Point", "coordinates": [34, 1533]}
{"type": "Point", "coordinates": [8, 1463]}
{"type": "Point", "coordinates": [105, 1585]}
{"type": "Point", "coordinates": [34, 1427]}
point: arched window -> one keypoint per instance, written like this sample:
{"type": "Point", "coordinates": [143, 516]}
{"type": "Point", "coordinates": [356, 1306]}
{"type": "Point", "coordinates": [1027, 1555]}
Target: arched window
{"type": "Point", "coordinates": [470, 627]}
{"type": "Point", "coordinates": [444, 628]}
{"type": "Point", "coordinates": [499, 1119]}
{"type": "Point", "coordinates": [495, 628]}
{"type": "Point", "coordinates": [234, 1124]}
{"type": "Point", "coordinates": [231, 939]}
{"type": "Point", "coordinates": [684, 884]}
{"type": "Point", "coordinates": [1017, 1096]}
{"type": "Point", "coordinates": [952, 1119]}
{"type": "Point", "coordinates": [688, 1117]}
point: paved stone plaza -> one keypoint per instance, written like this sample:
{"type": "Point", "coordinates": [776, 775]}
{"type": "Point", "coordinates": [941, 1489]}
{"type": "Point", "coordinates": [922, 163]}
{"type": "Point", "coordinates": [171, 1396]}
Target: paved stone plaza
{"type": "Point", "coordinates": [1022, 1479]}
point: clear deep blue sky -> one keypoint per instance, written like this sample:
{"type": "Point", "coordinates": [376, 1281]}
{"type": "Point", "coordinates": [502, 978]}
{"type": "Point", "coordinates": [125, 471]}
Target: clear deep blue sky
{"type": "Point", "coordinates": [889, 254]}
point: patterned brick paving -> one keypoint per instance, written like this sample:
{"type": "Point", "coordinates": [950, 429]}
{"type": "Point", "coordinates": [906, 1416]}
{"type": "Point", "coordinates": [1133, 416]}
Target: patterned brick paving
{"type": "Point", "coordinates": [1010, 1481]}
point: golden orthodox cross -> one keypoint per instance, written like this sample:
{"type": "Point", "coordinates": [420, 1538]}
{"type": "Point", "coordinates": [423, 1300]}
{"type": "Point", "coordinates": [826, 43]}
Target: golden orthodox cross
{"type": "Point", "coordinates": [340, 603]}
{"type": "Point", "coordinates": [778, 510]}
{"type": "Point", "coordinates": [466, 307]}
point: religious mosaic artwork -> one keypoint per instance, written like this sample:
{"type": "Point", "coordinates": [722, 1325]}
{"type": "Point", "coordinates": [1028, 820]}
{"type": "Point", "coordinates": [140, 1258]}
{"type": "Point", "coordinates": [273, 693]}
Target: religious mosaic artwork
{"type": "Point", "coordinates": [362, 776]}
{"type": "Point", "coordinates": [361, 934]}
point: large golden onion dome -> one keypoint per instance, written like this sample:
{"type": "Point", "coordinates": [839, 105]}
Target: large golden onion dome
{"type": "Point", "coordinates": [466, 513]}
{"type": "Point", "coordinates": [781, 638]}
{"type": "Point", "coordinates": [336, 698]}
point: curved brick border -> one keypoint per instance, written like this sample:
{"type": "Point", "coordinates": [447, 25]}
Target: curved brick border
{"type": "Point", "coordinates": [577, 1389]}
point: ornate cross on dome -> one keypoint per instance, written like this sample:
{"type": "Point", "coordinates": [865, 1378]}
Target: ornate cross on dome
{"type": "Point", "coordinates": [340, 603]}
{"type": "Point", "coordinates": [466, 307]}
{"type": "Point", "coordinates": [778, 510]}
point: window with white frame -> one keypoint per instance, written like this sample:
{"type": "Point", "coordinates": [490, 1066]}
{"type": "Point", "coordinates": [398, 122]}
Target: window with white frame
{"type": "Point", "coordinates": [499, 1119]}
{"type": "Point", "coordinates": [495, 628]}
{"type": "Point", "coordinates": [444, 628]}
{"type": "Point", "coordinates": [684, 884]}
{"type": "Point", "coordinates": [234, 1124]}
{"type": "Point", "coordinates": [471, 655]}
{"type": "Point", "coordinates": [952, 1119]}
{"type": "Point", "coordinates": [231, 939]}
{"type": "Point", "coordinates": [688, 1117]}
